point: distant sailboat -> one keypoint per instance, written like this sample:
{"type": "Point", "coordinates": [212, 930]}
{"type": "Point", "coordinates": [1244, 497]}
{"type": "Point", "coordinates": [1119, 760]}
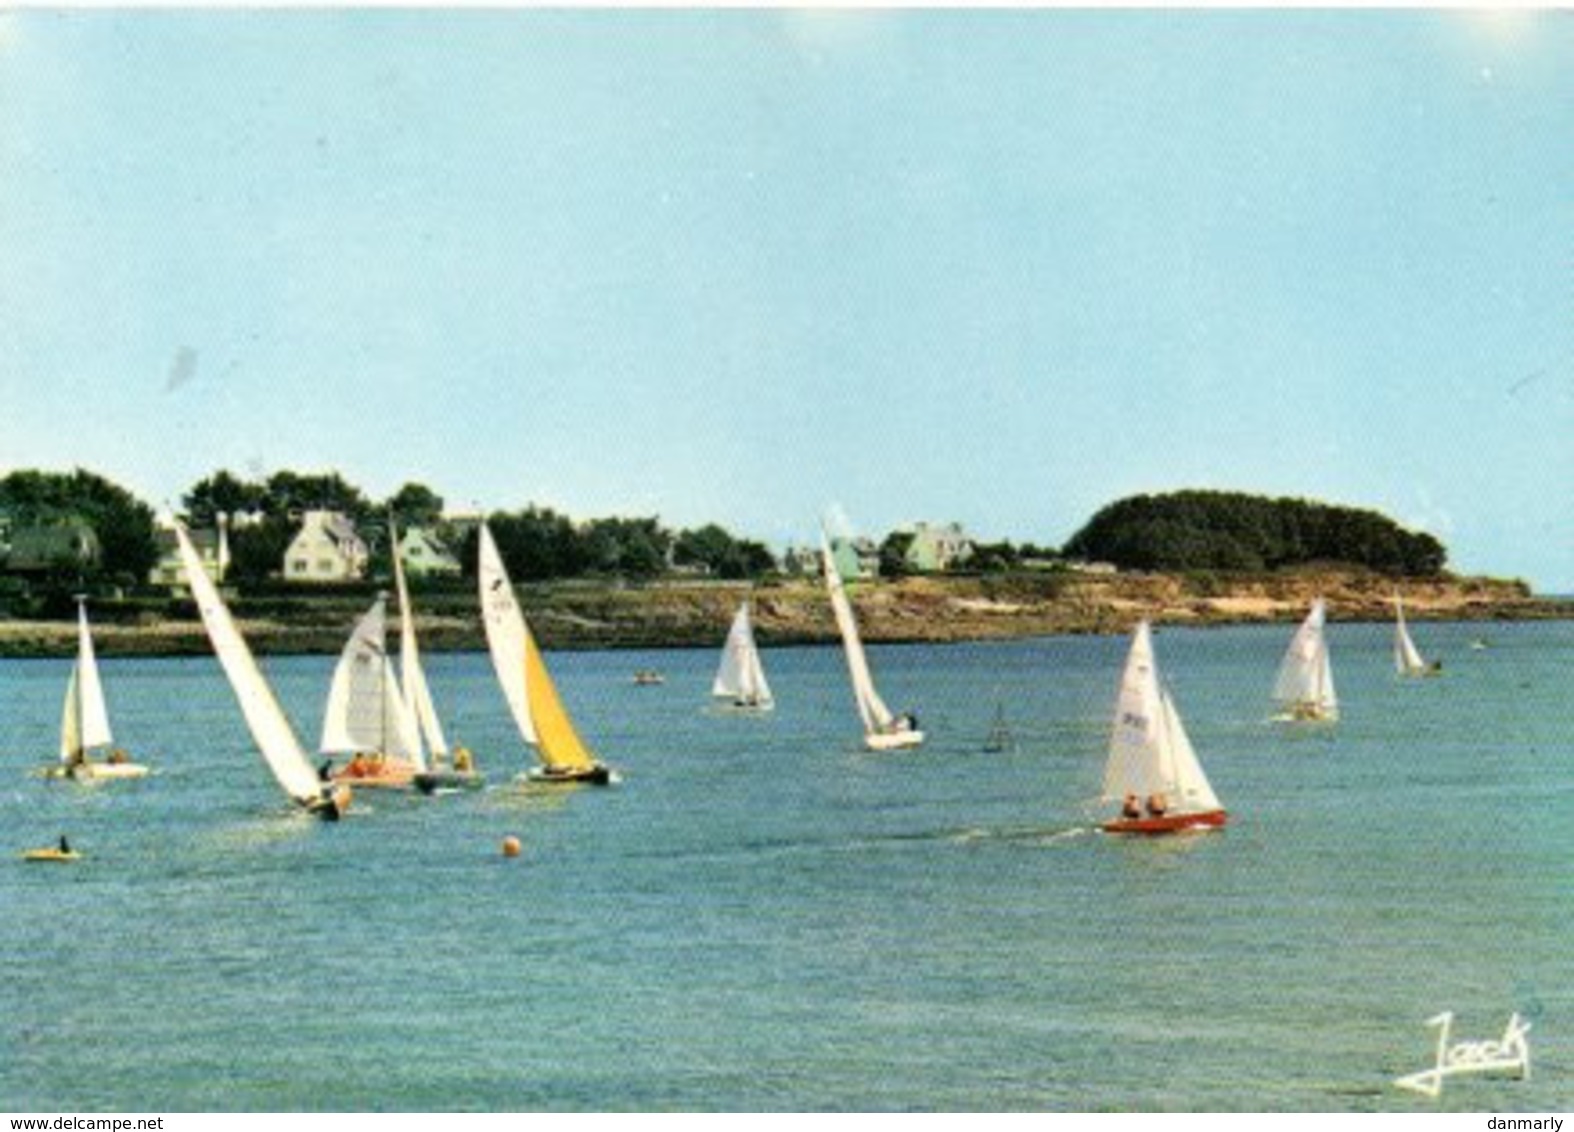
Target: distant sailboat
{"type": "Point", "coordinates": [1407, 658]}
{"type": "Point", "coordinates": [999, 740]}
{"type": "Point", "coordinates": [445, 770]}
{"type": "Point", "coordinates": [527, 686]}
{"type": "Point", "coordinates": [1304, 690]}
{"type": "Point", "coordinates": [1153, 772]}
{"type": "Point", "coordinates": [882, 730]}
{"type": "Point", "coordinates": [270, 729]}
{"type": "Point", "coordinates": [740, 679]}
{"type": "Point", "coordinates": [367, 716]}
{"type": "Point", "coordinates": [84, 719]}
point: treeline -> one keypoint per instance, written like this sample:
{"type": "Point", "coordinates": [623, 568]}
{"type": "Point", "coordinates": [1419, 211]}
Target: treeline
{"type": "Point", "coordinates": [1233, 531]}
{"type": "Point", "coordinates": [265, 514]}
{"type": "Point", "coordinates": [536, 543]}
{"type": "Point", "coordinates": [120, 522]}
{"type": "Point", "coordinates": [1187, 530]}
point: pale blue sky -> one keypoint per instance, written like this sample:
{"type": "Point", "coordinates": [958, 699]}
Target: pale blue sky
{"type": "Point", "coordinates": [995, 267]}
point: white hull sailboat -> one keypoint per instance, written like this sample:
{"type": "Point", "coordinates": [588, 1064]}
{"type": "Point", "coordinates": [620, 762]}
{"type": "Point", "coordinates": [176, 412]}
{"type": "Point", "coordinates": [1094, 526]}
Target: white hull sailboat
{"type": "Point", "coordinates": [1304, 690]}
{"type": "Point", "coordinates": [84, 720]}
{"type": "Point", "coordinates": [883, 731]}
{"type": "Point", "coordinates": [1152, 771]}
{"type": "Point", "coordinates": [367, 716]}
{"type": "Point", "coordinates": [532, 697]}
{"type": "Point", "coordinates": [740, 678]}
{"type": "Point", "coordinates": [269, 726]}
{"type": "Point", "coordinates": [444, 769]}
{"type": "Point", "coordinates": [1407, 658]}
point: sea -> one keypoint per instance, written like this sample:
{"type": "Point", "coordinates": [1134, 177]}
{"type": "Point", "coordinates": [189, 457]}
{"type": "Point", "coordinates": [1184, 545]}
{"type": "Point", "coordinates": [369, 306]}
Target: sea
{"type": "Point", "coordinates": [764, 916]}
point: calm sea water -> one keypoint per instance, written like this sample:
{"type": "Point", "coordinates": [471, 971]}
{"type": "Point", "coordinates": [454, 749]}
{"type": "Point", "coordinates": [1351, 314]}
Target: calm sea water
{"type": "Point", "coordinates": [764, 916]}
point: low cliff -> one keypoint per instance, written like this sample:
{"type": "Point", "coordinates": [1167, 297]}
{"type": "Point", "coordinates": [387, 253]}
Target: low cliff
{"type": "Point", "coordinates": [584, 615]}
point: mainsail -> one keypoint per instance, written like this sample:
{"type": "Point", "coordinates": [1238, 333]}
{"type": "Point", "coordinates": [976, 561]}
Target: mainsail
{"type": "Point", "coordinates": [532, 697]}
{"type": "Point", "coordinates": [269, 727]}
{"type": "Point", "coordinates": [1407, 658]}
{"type": "Point", "coordinates": [740, 676]}
{"type": "Point", "coordinates": [84, 722]}
{"type": "Point", "coordinates": [1305, 686]}
{"type": "Point", "coordinates": [871, 708]}
{"type": "Point", "coordinates": [505, 633]}
{"type": "Point", "coordinates": [367, 711]}
{"type": "Point", "coordinates": [1149, 751]}
{"type": "Point", "coordinates": [416, 691]}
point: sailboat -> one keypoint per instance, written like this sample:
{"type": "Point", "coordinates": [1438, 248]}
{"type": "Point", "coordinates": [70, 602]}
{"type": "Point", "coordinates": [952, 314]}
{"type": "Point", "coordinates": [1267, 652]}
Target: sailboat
{"type": "Point", "coordinates": [84, 719]}
{"type": "Point", "coordinates": [882, 730]}
{"type": "Point", "coordinates": [445, 770]}
{"type": "Point", "coordinates": [1152, 770]}
{"type": "Point", "coordinates": [269, 726]}
{"type": "Point", "coordinates": [1304, 690]}
{"type": "Point", "coordinates": [532, 698]}
{"type": "Point", "coordinates": [1407, 658]}
{"type": "Point", "coordinates": [740, 678]}
{"type": "Point", "coordinates": [367, 716]}
{"type": "Point", "coordinates": [999, 740]}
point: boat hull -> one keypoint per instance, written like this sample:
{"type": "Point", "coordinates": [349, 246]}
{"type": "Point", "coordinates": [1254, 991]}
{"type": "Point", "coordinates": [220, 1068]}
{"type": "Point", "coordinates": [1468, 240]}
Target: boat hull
{"type": "Point", "coordinates": [598, 775]}
{"type": "Point", "coordinates": [893, 741]}
{"type": "Point", "coordinates": [390, 775]}
{"type": "Point", "coordinates": [1169, 823]}
{"type": "Point", "coordinates": [87, 772]}
{"type": "Point", "coordinates": [60, 856]}
{"type": "Point", "coordinates": [432, 781]}
{"type": "Point", "coordinates": [331, 804]}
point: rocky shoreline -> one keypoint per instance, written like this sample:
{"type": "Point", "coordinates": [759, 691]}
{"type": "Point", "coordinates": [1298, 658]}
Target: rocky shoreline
{"type": "Point", "coordinates": [930, 609]}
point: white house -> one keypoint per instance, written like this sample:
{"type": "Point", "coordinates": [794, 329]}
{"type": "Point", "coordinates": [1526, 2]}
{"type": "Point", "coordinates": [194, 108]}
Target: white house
{"type": "Point", "coordinates": [327, 549]}
{"type": "Point", "coordinates": [425, 556]}
{"type": "Point", "coordinates": [170, 570]}
{"type": "Point", "coordinates": [938, 547]}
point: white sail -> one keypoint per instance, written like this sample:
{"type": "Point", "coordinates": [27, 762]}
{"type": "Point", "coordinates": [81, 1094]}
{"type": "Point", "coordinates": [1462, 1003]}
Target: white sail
{"type": "Point", "coordinates": [367, 711]}
{"type": "Point", "coordinates": [505, 633]}
{"type": "Point", "coordinates": [1149, 751]}
{"type": "Point", "coordinates": [871, 708]}
{"type": "Point", "coordinates": [1135, 765]}
{"type": "Point", "coordinates": [1306, 682]}
{"type": "Point", "coordinates": [71, 722]}
{"type": "Point", "coordinates": [418, 695]}
{"type": "Point", "coordinates": [1407, 658]}
{"type": "Point", "coordinates": [269, 727]}
{"type": "Point", "coordinates": [1189, 789]}
{"type": "Point", "coordinates": [85, 717]}
{"type": "Point", "coordinates": [741, 676]}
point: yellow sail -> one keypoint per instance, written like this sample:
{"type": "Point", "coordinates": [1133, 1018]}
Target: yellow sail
{"type": "Point", "coordinates": [560, 745]}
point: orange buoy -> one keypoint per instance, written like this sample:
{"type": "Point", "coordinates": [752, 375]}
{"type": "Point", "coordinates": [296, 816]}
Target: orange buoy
{"type": "Point", "coordinates": [510, 846]}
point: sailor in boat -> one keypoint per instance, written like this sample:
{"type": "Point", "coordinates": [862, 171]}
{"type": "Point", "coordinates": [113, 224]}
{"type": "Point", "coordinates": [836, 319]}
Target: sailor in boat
{"type": "Point", "coordinates": [1157, 805]}
{"type": "Point", "coordinates": [463, 763]}
{"type": "Point", "coordinates": [1130, 808]}
{"type": "Point", "coordinates": [65, 846]}
{"type": "Point", "coordinates": [118, 756]}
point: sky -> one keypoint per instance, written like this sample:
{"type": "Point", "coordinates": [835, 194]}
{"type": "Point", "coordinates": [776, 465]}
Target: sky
{"type": "Point", "coordinates": [737, 266]}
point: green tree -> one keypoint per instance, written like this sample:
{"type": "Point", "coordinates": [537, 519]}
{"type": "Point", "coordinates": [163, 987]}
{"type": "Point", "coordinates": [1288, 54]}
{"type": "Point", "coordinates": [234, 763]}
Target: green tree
{"type": "Point", "coordinates": [708, 546]}
{"type": "Point", "coordinates": [290, 493]}
{"type": "Point", "coordinates": [1232, 531]}
{"type": "Point", "coordinates": [221, 493]}
{"type": "Point", "coordinates": [415, 505]}
{"type": "Point", "coordinates": [121, 521]}
{"type": "Point", "coordinates": [257, 549]}
{"type": "Point", "coordinates": [631, 548]}
{"type": "Point", "coordinates": [893, 554]}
